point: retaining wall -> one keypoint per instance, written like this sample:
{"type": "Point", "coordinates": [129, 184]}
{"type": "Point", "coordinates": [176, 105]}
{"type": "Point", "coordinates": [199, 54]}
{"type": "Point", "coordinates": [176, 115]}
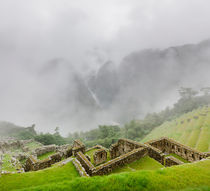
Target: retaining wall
{"type": "Point", "coordinates": [170, 161]}
{"type": "Point", "coordinates": [120, 161]}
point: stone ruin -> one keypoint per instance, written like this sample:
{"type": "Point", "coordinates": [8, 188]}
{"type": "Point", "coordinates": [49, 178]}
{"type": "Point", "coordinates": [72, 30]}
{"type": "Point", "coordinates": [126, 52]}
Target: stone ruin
{"type": "Point", "coordinates": [126, 151]}
{"type": "Point", "coordinates": [78, 146]}
{"type": "Point", "coordinates": [33, 164]}
{"type": "Point", "coordinates": [100, 156]}
{"type": "Point", "coordinates": [63, 151]}
{"type": "Point", "coordinates": [44, 149]}
{"type": "Point", "coordinates": [168, 146]}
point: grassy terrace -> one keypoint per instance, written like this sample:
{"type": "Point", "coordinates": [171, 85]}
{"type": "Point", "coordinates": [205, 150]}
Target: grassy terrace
{"type": "Point", "coordinates": [7, 165]}
{"type": "Point", "coordinates": [178, 157]}
{"type": "Point", "coordinates": [91, 153]}
{"type": "Point", "coordinates": [187, 177]}
{"type": "Point", "coordinates": [188, 130]}
{"type": "Point", "coordinates": [47, 176]}
{"type": "Point", "coordinates": [44, 156]}
{"type": "Point", "coordinates": [145, 163]}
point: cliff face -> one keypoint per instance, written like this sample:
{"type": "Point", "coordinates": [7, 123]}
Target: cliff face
{"type": "Point", "coordinates": [146, 78]}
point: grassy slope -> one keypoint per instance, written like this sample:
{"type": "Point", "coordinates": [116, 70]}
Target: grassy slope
{"type": "Point", "coordinates": [173, 178]}
{"type": "Point", "coordinates": [194, 133]}
{"type": "Point", "coordinates": [51, 175]}
{"type": "Point", "coordinates": [7, 165]}
{"type": "Point", "coordinates": [145, 163]}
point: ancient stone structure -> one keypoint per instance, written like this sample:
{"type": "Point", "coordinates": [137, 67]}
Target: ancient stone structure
{"type": "Point", "coordinates": [87, 165]}
{"type": "Point", "coordinates": [156, 154]}
{"type": "Point", "coordinates": [78, 146]}
{"type": "Point", "coordinates": [168, 146]}
{"type": "Point", "coordinates": [33, 164]}
{"type": "Point", "coordinates": [14, 144]}
{"type": "Point", "coordinates": [123, 146]}
{"type": "Point", "coordinates": [170, 161]}
{"type": "Point", "coordinates": [96, 147]}
{"type": "Point", "coordinates": [120, 161]}
{"type": "Point", "coordinates": [100, 156]}
{"type": "Point", "coordinates": [126, 151]}
{"type": "Point", "coordinates": [44, 149]}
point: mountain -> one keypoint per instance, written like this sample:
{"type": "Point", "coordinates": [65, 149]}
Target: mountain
{"type": "Point", "coordinates": [148, 80]}
{"type": "Point", "coordinates": [144, 81]}
{"type": "Point", "coordinates": [192, 129]}
{"type": "Point", "coordinates": [8, 129]}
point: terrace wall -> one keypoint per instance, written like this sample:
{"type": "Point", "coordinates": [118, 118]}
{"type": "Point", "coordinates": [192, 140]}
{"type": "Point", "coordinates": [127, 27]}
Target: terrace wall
{"type": "Point", "coordinates": [120, 161]}
{"type": "Point", "coordinates": [167, 145]}
{"type": "Point", "coordinates": [86, 164]}
{"type": "Point", "coordinates": [123, 146]}
{"type": "Point", "coordinates": [170, 161]}
{"type": "Point", "coordinates": [156, 154]}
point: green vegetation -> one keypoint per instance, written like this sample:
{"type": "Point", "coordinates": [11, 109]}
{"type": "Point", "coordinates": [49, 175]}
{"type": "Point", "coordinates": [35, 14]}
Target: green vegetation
{"type": "Point", "coordinates": [90, 154]}
{"type": "Point", "coordinates": [7, 165]}
{"type": "Point", "coordinates": [46, 155]}
{"type": "Point", "coordinates": [178, 157]}
{"type": "Point", "coordinates": [184, 177]}
{"type": "Point", "coordinates": [51, 175]}
{"type": "Point", "coordinates": [192, 129]}
{"type": "Point", "coordinates": [48, 139]}
{"type": "Point", "coordinates": [145, 163]}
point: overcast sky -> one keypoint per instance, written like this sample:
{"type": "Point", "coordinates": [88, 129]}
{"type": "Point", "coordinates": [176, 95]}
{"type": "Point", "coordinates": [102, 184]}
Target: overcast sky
{"type": "Point", "coordinates": [86, 33]}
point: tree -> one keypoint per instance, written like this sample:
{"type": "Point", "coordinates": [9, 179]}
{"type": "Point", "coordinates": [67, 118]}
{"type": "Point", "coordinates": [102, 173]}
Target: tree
{"type": "Point", "coordinates": [187, 93]}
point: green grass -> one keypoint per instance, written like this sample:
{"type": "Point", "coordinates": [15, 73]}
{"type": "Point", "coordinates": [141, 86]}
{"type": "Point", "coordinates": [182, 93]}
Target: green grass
{"type": "Point", "coordinates": [51, 175]}
{"type": "Point", "coordinates": [7, 165]}
{"type": "Point", "coordinates": [44, 156]}
{"type": "Point", "coordinates": [194, 133]}
{"type": "Point", "coordinates": [145, 163]}
{"type": "Point", "coordinates": [90, 153]}
{"type": "Point", "coordinates": [187, 177]}
{"type": "Point", "coordinates": [178, 157]}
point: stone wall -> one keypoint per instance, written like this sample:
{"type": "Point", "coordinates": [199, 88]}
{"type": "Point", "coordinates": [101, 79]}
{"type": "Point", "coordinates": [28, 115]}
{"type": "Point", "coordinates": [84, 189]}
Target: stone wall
{"type": "Point", "coordinates": [123, 146]}
{"type": "Point", "coordinates": [120, 161]}
{"type": "Point", "coordinates": [167, 145]}
{"type": "Point", "coordinates": [156, 154]}
{"type": "Point", "coordinates": [78, 146]}
{"type": "Point", "coordinates": [87, 165]}
{"type": "Point", "coordinates": [55, 158]}
{"type": "Point", "coordinates": [96, 147]}
{"type": "Point", "coordinates": [100, 156]}
{"type": "Point", "coordinates": [45, 149]}
{"type": "Point", "coordinates": [5, 145]}
{"type": "Point", "coordinates": [33, 164]}
{"type": "Point", "coordinates": [79, 168]}
{"type": "Point", "coordinates": [170, 161]}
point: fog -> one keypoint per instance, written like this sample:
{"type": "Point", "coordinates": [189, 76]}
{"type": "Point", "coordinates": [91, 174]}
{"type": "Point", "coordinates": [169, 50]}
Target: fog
{"type": "Point", "coordinates": [77, 64]}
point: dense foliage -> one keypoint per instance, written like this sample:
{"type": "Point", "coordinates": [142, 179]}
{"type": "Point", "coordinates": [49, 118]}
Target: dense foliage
{"type": "Point", "coordinates": [47, 138]}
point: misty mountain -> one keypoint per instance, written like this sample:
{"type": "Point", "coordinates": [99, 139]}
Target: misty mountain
{"type": "Point", "coordinates": [58, 94]}
{"type": "Point", "coordinates": [146, 79]}
{"type": "Point", "coordinates": [8, 129]}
